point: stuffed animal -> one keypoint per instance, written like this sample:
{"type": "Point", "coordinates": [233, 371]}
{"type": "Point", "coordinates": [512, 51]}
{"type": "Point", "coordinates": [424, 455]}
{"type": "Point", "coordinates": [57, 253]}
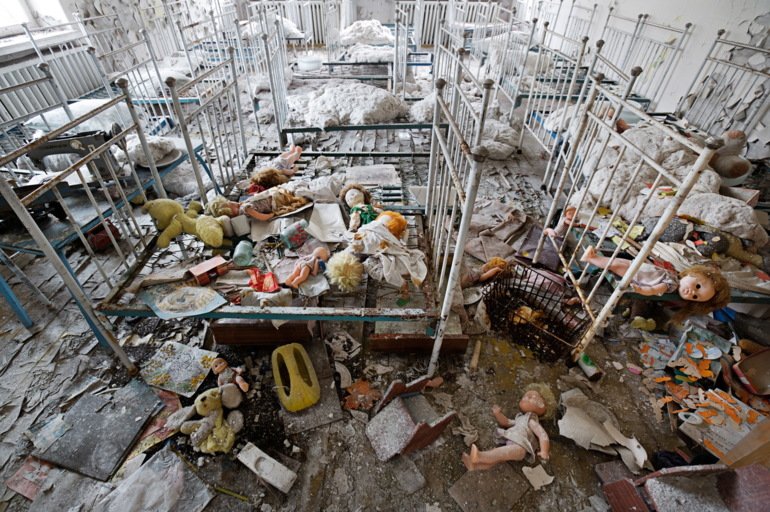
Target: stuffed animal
{"type": "Point", "coordinates": [171, 220]}
{"type": "Point", "coordinates": [213, 433]}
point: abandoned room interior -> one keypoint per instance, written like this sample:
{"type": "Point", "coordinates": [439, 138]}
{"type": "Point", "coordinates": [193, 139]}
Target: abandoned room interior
{"type": "Point", "coordinates": [406, 255]}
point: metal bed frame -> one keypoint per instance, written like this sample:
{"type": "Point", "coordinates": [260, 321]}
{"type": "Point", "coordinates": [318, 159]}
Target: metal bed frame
{"type": "Point", "coordinates": [594, 131]}
{"type": "Point", "coordinates": [654, 47]}
{"type": "Point", "coordinates": [580, 20]}
{"type": "Point", "coordinates": [713, 102]}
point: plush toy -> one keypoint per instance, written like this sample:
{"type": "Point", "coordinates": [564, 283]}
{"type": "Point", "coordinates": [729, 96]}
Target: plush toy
{"type": "Point", "coordinates": [703, 288]}
{"type": "Point", "coordinates": [213, 433]}
{"type": "Point", "coordinates": [171, 220]}
{"type": "Point", "coordinates": [307, 266]}
{"type": "Point", "coordinates": [230, 381]}
{"type": "Point", "coordinates": [358, 200]}
{"type": "Point", "coordinates": [345, 271]}
{"type": "Point", "coordinates": [727, 160]}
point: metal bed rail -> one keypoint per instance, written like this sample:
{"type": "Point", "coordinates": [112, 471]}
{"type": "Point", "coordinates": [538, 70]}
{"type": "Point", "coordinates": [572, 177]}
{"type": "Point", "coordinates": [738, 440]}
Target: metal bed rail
{"type": "Point", "coordinates": [275, 59]}
{"type": "Point", "coordinates": [726, 94]}
{"type": "Point", "coordinates": [454, 174]}
{"type": "Point", "coordinates": [217, 123]}
{"type": "Point", "coordinates": [332, 30]}
{"type": "Point", "coordinates": [400, 52]}
{"type": "Point", "coordinates": [25, 92]}
{"type": "Point", "coordinates": [656, 48]}
{"type": "Point", "coordinates": [596, 154]}
{"type": "Point", "coordinates": [556, 84]}
{"type": "Point", "coordinates": [580, 20]}
{"type": "Point", "coordinates": [309, 16]}
{"type": "Point", "coordinates": [72, 65]}
{"type": "Point", "coordinates": [94, 193]}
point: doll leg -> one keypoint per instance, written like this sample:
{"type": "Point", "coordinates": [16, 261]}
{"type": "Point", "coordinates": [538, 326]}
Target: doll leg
{"type": "Point", "coordinates": [298, 277]}
{"type": "Point", "coordinates": [619, 266]}
{"type": "Point", "coordinates": [486, 459]}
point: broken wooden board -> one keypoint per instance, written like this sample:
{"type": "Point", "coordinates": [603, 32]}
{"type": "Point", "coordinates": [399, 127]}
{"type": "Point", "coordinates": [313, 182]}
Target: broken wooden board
{"type": "Point", "coordinates": [491, 490]}
{"type": "Point", "coordinates": [101, 430]}
{"type": "Point", "coordinates": [267, 468]}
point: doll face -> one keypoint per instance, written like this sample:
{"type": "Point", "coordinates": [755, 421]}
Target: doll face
{"type": "Point", "coordinates": [354, 197]}
{"type": "Point", "coordinates": [219, 366]}
{"type": "Point", "coordinates": [696, 288]}
{"type": "Point", "coordinates": [532, 401]}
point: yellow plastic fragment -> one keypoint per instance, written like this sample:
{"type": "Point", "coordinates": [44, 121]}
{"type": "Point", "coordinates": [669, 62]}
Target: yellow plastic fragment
{"type": "Point", "coordinates": [295, 378]}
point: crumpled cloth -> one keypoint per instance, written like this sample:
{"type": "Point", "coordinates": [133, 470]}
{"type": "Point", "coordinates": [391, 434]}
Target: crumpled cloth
{"type": "Point", "coordinates": [492, 227]}
{"type": "Point", "coordinates": [389, 258]}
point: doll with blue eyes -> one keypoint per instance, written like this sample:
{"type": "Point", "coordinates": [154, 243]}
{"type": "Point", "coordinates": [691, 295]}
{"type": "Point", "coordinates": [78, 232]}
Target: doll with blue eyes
{"type": "Point", "coordinates": [702, 287]}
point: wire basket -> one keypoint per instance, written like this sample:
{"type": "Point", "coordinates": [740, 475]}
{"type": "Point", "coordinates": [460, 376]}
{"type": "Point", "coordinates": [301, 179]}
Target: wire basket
{"type": "Point", "coordinates": [530, 307]}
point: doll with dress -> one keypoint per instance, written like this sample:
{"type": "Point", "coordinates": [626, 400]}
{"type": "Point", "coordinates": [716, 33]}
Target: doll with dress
{"type": "Point", "coordinates": [702, 287]}
{"type": "Point", "coordinates": [359, 201]}
{"type": "Point", "coordinates": [518, 436]}
{"type": "Point", "coordinates": [262, 206]}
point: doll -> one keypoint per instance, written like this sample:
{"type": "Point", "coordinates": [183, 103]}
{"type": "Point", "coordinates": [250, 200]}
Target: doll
{"type": "Point", "coordinates": [359, 200]}
{"type": "Point", "coordinates": [727, 160]}
{"type": "Point", "coordinates": [703, 288]}
{"type": "Point", "coordinates": [227, 375]}
{"type": "Point", "coordinates": [345, 271]}
{"type": "Point", "coordinates": [566, 219]}
{"type": "Point", "coordinates": [471, 277]}
{"type": "Point", "coordinates": [285, 162]}
{"type": "Point", "coordinates": [518, 435]}
{"type": "Point", "coordinates": [262, 206]}
{"type": "Point", "coordinates": [307, 266]}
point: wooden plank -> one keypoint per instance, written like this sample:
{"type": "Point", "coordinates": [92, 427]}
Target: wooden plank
{"type": "Point", "coordinates": [754, 448]}
{"type": "Point", "coordinates": [414, 342]}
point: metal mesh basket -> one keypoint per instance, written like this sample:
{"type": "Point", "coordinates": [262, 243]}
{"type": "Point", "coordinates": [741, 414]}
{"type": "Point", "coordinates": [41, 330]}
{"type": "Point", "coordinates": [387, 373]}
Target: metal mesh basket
{"type": "Point", "coordinates": [530, 306]}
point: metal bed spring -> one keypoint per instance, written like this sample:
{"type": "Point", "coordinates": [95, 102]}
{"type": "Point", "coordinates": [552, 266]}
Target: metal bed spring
{"type": "Point", "coordinates": [654, 47]}
{"type": "Point", "coordinates": [217, 122]}
{"type": "Point", "coordinates": [590, 143]}
{"type": "Point", "coordinates": [103, 196]}
{"type": "Point", "coordinates": [555, 85]}
{"type": "Point", "coordinates": [26, 92]}
{"type": "Point", "coordinates": [724, 94]}
{"type": "Point", "coordinates": [453, 180]}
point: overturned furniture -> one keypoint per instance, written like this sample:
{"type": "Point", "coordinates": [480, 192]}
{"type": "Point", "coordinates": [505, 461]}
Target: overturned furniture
{"type": "Point", "coordinates": [404, 421]}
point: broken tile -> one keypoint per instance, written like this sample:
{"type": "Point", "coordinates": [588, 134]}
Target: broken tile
{"type": "Point", "coordinates": [537, 476]}
{"type": "Point", "coordinates": [408, 476]}
{"type": "Point", "coordinates": [267, 468]}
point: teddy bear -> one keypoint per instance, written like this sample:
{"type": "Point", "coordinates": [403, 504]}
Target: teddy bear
{"type": "Point", "coordinates": [171, 220]}
{"type": "Point", "coordinates": [213, 433]}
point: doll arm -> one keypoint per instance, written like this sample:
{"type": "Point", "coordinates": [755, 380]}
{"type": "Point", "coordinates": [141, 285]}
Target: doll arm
{"type": "Point", "coordinates": [542, 437]}
{"type": "Point", "coordinates": [253, 213]}
{"type": "Point", "coordinates": [658, 289]}
{"type": "Point", "coordinates": [501, 419]}
{"type": "Point", "coordinates": [489, 274]}
{"type": "Point", "coordinates": [355, 221]}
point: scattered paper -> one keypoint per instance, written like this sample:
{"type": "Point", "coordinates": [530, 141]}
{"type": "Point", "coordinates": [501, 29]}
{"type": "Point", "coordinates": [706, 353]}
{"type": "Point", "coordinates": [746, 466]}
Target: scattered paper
{"type": "Point", "coordinates": [178, 368]}
{"type": "Point", "coordinates": [326, 223]}
{"type": "Point", "coordinates": [29, 478]}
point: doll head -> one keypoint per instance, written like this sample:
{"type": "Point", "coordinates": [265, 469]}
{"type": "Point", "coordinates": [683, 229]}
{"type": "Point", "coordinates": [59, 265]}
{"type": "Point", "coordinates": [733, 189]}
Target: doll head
{"type": "Point", "coordinates": [394, 221]}
{"type": "Point", "coordinates": [569, 214]}
{"type": "Point", "coordinates": [704, 288]}
{"type": "Point", "coordinates": [219, 365]}
{"type": "Point", "coordinates": [532, 401]}
{"type": "Point", "coordinates": [222, 206]}
{"type": "Point", "coordinates": [322, 253]}
{"type": "Point", "coordinates": [354, 194]}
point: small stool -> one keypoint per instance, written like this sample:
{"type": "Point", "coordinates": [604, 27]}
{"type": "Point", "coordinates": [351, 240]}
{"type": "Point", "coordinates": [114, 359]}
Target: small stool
{"type": "Point", "coordinates": [293, 371]}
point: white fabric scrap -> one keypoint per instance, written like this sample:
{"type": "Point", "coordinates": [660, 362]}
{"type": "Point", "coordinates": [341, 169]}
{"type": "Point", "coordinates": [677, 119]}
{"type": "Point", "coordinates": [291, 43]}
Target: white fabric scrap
{"type": "Point", "coordinates": [389, 258]}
